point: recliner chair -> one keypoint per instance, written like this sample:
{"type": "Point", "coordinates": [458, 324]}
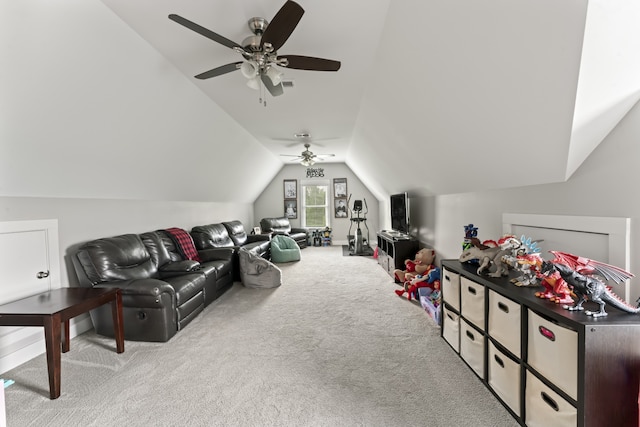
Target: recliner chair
{"type": "Point", "coordinates": [274, 226]}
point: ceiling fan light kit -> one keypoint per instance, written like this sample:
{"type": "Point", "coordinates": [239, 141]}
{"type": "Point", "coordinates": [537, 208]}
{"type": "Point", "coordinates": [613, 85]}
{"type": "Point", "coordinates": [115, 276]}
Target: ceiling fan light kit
{"type": "Point", "coordinates": [249, 69]}
{"type": "Point", "coordinates": [260, 51]}
{"type": "Point", "coordinates": [275, 75]}
{"type": "Point", "coordinates": [254, 83]}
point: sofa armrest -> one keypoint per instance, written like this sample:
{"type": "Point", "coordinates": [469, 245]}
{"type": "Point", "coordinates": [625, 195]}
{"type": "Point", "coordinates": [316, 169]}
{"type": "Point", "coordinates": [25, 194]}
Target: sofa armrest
{"type": "Point", "coordinates": [298, 230]}
{"type": "Point", "coordinates": [178, 268]}
{"type": "Point", "coordinates": [251, 238]}
{"type": "Point", "coordinates": [217, 254]}
{"type": "Point", "coordinates": [144, 287]}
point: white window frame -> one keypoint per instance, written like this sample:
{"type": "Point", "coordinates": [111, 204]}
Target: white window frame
{"type": "Point", "coordinates": [316, 183]}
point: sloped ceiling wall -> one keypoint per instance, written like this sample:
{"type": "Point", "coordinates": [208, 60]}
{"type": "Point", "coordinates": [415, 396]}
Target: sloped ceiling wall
{"type": "Point", "coordinates": [469, 96]}
{"type": "Point", "coordinates": [464, 96]}
{"type": "Point", "coordinates": [476, 87]}
{"type": "Point", "coordinates": [609, 82]}
{"type": "Point", "coordinates": [90, 110]}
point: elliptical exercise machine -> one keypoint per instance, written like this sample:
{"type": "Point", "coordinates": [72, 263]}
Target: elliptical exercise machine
{"type": "Point", "coordinates": [358, 245]}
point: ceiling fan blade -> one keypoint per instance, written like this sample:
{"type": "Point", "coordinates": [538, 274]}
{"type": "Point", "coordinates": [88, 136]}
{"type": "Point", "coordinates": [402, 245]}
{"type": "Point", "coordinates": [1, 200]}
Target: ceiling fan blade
{"type": "Point", "coordinates": [276, 90]}
{"type": "Point", "coordinates": [204, 31]}
{"type": "Point", "coordinates": [296, 159]}
{"type": "Point", "coordinates": [224, 69]}
{"type": "Point", "coordinates": [299, 62]}
{"type": "Point", "coordinates": [282, 25]}
{"type": "Point", "coordinates": [295, 144]}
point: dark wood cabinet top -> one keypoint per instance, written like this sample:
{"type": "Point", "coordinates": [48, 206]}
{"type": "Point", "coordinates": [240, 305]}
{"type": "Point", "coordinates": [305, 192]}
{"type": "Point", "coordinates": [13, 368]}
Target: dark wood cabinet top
{"type": "Point", "coordinates": [525, 295]}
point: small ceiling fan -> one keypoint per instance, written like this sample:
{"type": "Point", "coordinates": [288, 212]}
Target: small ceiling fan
{"type": "Point", "coordinates": [307, 157]}
{"type": "Point", "coordinates": [260, 51]}
{"type": "Point", "coordinates": [302, 137]}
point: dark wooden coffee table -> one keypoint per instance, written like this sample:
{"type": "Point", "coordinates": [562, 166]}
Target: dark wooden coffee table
{"type": "Point", "coordinates": [54, 308]}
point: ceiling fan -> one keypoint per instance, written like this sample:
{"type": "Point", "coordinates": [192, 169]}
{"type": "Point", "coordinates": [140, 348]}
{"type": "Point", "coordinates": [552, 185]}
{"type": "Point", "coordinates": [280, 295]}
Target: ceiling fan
{"type": "Point", "coordinates": [302, 137]}
{"type": "Point", "coordinates": [260, 51]}
{"type": "Point", "coordinates": [307, 157]}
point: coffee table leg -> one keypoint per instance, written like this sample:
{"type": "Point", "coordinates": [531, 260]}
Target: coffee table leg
{"type": "Point", "coordinates": [52, 330]}
{"type": "Point", "coordinates": [118, 323]}
{"type": "Point", "coordinates": [66, 343]}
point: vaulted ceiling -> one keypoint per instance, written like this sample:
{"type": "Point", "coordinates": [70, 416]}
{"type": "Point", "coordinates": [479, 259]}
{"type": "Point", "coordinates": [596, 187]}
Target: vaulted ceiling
{"type": "Point", "coordinates": [433, 97]}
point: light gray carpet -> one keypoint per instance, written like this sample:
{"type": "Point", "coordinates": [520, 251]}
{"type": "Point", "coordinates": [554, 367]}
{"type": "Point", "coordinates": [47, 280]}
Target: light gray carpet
{"type": "Point", "coordinates": [367, 251]}
{"type": "Point", "coordinates": [332, 346]}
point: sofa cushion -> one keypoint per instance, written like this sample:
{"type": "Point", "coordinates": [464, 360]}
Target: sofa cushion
{"type": "Point", "coordinates": [275, 225]}
{"type": "Point", "coordinates": [211, 236]}
{"type": "Point", "coordinates": [236, 232]}
{"type": "Point", "coordinates": [222, 267]}
{"type": "Point", "coordinates": [156, 245]}
{"type": "Point", "coordinates": [122, 257]}
{"type": "Point", "coordinates": [186, 286]}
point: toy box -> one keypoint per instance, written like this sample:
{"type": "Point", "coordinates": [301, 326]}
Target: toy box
{"type": "Point", "coordinates": [431, 306]}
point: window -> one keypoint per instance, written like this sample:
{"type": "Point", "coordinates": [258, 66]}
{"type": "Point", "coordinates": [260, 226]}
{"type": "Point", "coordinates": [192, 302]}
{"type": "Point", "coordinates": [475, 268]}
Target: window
{"type": "Point", "coordinates": [315, 204]}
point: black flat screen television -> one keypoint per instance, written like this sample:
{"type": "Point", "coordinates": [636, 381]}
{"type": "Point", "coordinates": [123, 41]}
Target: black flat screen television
{"type": "Point", "coordinates": [400, 213]}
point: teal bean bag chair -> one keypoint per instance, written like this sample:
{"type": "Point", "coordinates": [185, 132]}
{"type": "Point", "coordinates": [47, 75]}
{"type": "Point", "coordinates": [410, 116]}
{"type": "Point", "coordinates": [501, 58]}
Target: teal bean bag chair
{"type": "Point", "coordinates": [284, 249]}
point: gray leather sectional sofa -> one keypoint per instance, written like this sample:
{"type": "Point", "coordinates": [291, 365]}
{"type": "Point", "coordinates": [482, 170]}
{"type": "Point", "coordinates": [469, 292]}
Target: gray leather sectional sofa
{"type": "Point", "coordinates": [162, 291]}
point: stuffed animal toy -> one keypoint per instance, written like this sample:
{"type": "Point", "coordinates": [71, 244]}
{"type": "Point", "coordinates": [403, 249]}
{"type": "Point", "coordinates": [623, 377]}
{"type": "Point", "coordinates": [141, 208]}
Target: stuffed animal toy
{"type": "Point", "coordinates": [430, 279]}
{"type": "Point", "coordinates": [422, 262]}
{"type": "Point", "coordinates": [409, 267]}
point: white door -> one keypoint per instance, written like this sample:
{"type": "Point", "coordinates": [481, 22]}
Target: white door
{"type": "Point", "coordinates": [24, 264]}
{"type": "Point", "coordinates": [29, 264]}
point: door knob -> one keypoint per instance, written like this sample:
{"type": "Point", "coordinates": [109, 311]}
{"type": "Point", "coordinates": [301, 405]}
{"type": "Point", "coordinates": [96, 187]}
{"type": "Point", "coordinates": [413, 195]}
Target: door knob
{"type": "Point", "coordinates": [42, 274]}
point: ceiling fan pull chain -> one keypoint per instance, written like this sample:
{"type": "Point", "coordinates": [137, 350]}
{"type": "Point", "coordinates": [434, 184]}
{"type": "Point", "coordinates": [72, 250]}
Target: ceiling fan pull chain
{"type": "Point", "coordinates": [263, 97]}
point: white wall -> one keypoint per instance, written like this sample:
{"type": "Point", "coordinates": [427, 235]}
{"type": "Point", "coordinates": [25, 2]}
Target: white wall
{"type": "Point", "coordinates": [271, 202]}
{"type": "Point", "coordinates": [100, 132]}
{"type": "Point", "coordinates": [605, 185]}
{"type": "Point", "coordinates": [609, 82]}
{"type": "Point", "coordinates": [89, 109]}
{"type": "Point", "coordinates": [477, 81]}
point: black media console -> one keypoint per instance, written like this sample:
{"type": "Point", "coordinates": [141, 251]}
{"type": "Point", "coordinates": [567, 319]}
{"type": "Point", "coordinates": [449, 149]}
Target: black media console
{"type": "Point", "coordinates": [394, 248]}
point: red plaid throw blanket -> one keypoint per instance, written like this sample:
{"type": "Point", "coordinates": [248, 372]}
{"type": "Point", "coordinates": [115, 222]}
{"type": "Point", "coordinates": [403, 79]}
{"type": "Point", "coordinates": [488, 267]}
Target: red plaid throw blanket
{"type": "Point", "coordinates": [184, 243]}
